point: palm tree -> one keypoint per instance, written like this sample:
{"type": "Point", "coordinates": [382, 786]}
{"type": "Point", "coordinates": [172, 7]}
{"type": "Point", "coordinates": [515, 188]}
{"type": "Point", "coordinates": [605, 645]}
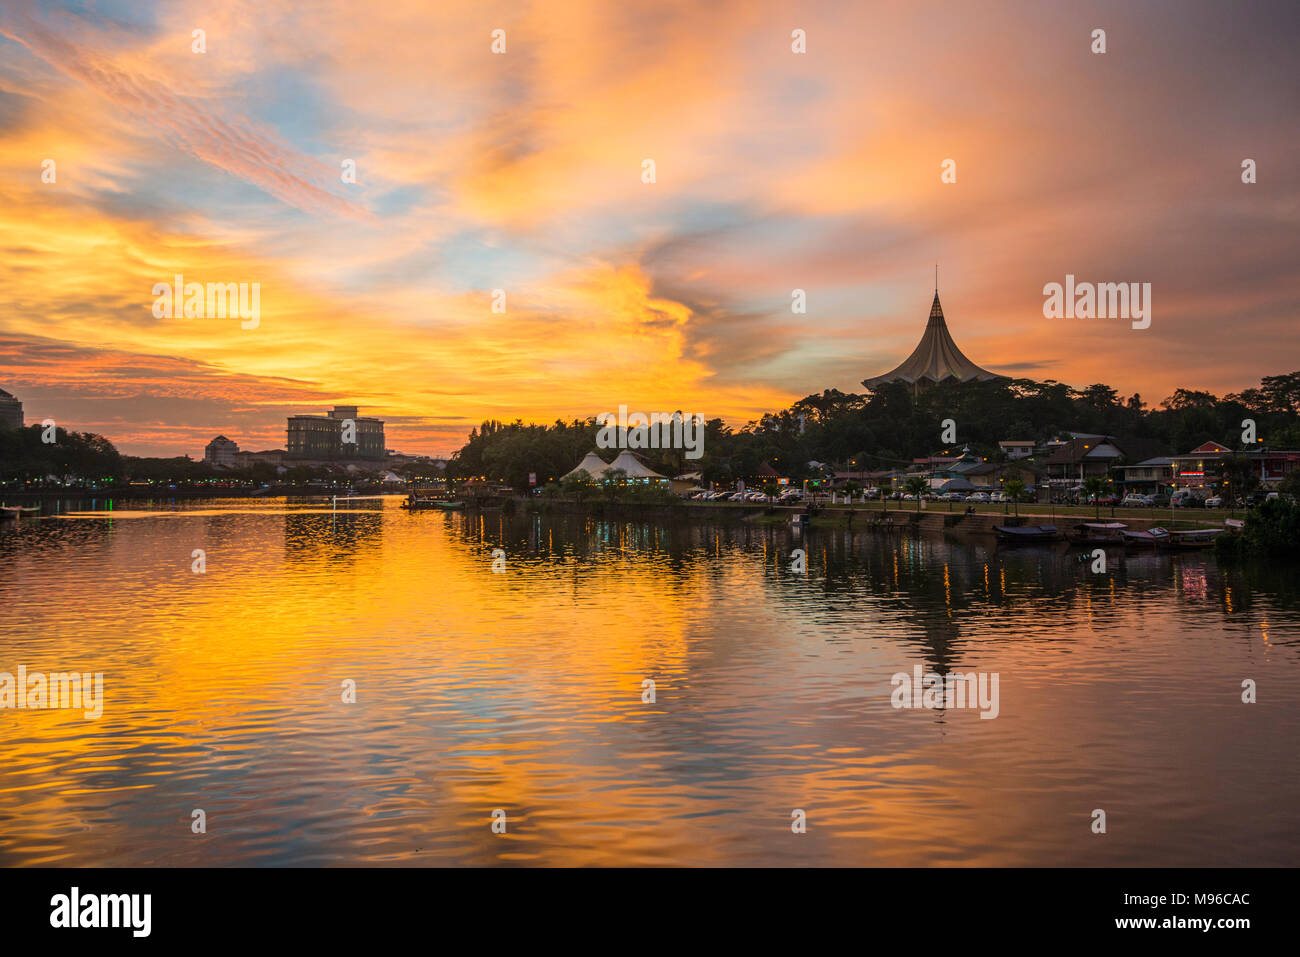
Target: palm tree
{"type": "Point", "coordinates": [1015, 488]}
{"type": "Point", "coordinates": [915, 486]}
{"type": "Point", "coordinates": [1094, 486]}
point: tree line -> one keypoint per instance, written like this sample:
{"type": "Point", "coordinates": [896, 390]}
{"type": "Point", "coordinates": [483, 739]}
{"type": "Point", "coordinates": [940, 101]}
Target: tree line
{"type": "Point", "coordinates": [882, 428]}
{"type": "Point", "coordinates": [889, 426]}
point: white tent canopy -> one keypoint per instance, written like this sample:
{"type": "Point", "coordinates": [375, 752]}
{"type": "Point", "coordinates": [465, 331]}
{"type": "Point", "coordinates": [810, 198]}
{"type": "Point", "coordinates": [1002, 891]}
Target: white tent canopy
{"type": "Point", "coordinates": [633, 467]}
{"type": "Point", "coordinates": [592, 464]}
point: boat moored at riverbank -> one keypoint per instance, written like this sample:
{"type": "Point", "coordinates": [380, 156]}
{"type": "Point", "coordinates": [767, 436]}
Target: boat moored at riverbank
{"type": "Point", "coordinates": [1098, 533]}
{"type": "Point", "coordinates": [424, 501]}
{"type": "Point", "coordinates": [1190, 539]}
{"type": "Point", "coordinates": [1144, 539]}
{"type": "Point", "coordinates": [1027, 534]}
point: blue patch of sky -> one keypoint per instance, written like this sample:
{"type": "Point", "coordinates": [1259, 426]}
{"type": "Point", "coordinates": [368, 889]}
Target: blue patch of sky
{"type": "Point", "coordinates": [301, 111]}
{"type": "Point", "coordinates": [467, 262]}
{"type": "Point", "coordinates": [127, 13]}
{"type": "Point", "coordinates": [170, 178]}
{"type": "Point", "coordinates": [12, 108]}
{"type": "Point", "coordinates": [401, 199]}
{"type": "Point", "coordinates": [474, 260]}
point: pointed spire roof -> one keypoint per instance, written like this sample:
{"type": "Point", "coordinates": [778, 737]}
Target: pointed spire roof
{"type": "Point", "coordinates": [935, 358]}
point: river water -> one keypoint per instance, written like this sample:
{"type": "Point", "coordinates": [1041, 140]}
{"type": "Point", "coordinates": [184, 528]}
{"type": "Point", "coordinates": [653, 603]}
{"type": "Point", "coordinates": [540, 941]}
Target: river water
{"type": "Point", "coordinates": [523, 691]}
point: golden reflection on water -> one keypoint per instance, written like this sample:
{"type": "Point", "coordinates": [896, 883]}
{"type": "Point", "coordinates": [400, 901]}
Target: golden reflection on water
{"type": "Point", "coordinates": [523, 691]}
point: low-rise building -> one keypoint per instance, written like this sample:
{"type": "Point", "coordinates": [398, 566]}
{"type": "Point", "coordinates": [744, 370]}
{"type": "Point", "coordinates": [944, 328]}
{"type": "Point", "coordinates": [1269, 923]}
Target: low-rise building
{"type": "Point", "coordinates": [1148, 477]}
{"type": "Point", "coordinates": [269, 456]}
{"type": "Point", "coordinates": [880, 478]}
{"type": "Point", "coordinates": [1089, 456]}
{"type": "Point", "coordinates": [686, 482]}
{"type": "Point", "coordinates": [993, 476]}
{"type": "Point", "coordinates": [1201, 469]}
{"type": "Point", "coordinates": [1016, 449]}
{"type": "Point", "coordinates": [1273, 465]}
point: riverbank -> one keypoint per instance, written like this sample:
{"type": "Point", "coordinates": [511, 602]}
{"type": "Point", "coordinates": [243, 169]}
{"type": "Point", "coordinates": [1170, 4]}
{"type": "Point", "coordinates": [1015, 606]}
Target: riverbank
{"type": "Point", "coordinates": [936, 517]}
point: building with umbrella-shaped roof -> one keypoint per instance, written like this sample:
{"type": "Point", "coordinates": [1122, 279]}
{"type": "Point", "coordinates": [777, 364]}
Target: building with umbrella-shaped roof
{"type": "Point", "coordinates": [592, 464]}
{"type": "Point", "coordinates": [634, 468]}
{"type": "Point", "coordinates": [936, 358]}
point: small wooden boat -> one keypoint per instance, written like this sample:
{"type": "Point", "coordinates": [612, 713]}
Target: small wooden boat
{"type": "Point", "coordinates": [1027, 534]}
{"type": "Point", "coordinates": [417, 503]}
{"type": "Point", "coordinates": [1191, 539]}
{"type": "Point", "coordinates": [1148, 539]}
{"type": "Point", "coordinates": [1098, 533]}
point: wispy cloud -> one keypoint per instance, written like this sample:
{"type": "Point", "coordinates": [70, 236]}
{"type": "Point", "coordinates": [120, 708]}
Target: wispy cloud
{"type": "Point", "coordinates": [224, 139]}
{"type": "Point", "coordinates": [522, 172]}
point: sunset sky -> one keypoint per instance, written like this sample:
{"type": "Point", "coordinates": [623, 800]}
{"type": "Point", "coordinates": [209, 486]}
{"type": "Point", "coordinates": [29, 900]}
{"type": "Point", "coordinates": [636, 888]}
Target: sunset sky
{"type": "Point", "coordinates": [522, 171]}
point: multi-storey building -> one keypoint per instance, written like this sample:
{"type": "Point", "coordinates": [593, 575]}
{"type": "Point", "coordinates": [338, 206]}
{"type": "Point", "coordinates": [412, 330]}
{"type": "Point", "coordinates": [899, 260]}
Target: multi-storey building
{"type": "Point", "coordinates": [221, 451]}
{"type": "Point", "coordinates": [339, 434]}
{"type": "Point", "coordinates": [11, 411]}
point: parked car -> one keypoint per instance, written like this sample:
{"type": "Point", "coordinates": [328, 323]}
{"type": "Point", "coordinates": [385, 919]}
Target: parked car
{"type": "Point", "coordinates": [981, 498]}
{"type": "Point", "coordinates": [1186, 498]}
{"type": "Point", "coordinates": [1133, 500]}
{"type": "Point", "coordinates": [1214, 501]}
